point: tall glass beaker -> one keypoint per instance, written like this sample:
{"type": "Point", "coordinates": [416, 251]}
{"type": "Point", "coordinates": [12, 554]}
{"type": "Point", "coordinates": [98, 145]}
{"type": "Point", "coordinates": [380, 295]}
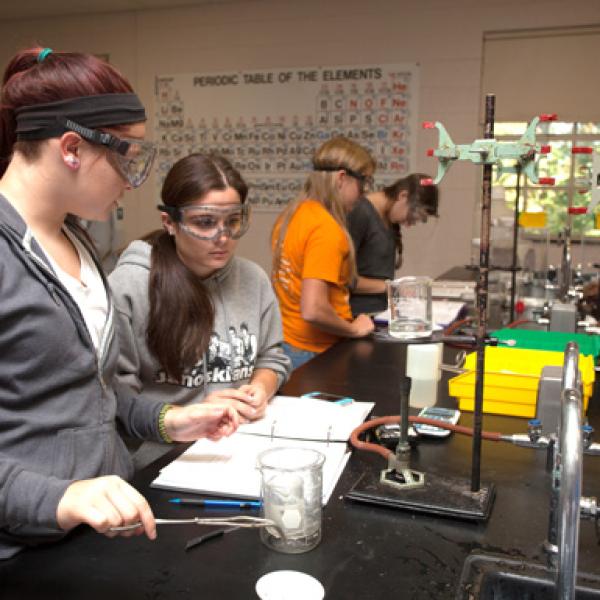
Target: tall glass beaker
{"type": "Point", "coordinates": [409, 301]}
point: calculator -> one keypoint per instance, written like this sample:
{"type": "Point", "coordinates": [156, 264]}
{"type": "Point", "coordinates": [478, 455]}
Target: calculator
{"type": "Point", "coordinates": [447, 415]}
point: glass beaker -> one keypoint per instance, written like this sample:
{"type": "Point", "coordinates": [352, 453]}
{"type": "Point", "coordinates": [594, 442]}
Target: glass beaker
{"type": "Point", "coordinates": [409, 301]}
{"type": "Point", "coordinates": [292, 489]}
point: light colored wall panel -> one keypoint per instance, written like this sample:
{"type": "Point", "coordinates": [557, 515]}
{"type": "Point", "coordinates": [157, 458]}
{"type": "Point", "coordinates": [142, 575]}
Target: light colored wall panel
{"type": "Point", "coordinates": [552, 72]}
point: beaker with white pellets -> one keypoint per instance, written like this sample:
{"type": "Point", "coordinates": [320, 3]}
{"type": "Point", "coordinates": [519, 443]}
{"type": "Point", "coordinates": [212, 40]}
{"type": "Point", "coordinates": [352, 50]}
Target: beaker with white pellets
{"type": "Point", "coordinates": [292, 496]}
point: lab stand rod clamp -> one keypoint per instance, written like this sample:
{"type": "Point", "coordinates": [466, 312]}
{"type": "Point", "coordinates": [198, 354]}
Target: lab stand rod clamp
{"type": "Point", "coordinates": [482, 297]}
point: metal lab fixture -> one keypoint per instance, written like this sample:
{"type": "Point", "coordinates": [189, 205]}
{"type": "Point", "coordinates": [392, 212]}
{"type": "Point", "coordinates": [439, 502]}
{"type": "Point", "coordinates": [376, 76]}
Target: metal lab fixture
{"type": "Point", "coordinates": [566, 278]}
{"type": "Point", "coordinates": [566, 477]}
{"type": "Point", "coordinates": [590, 183]}
{"type": "Point", "coordinates": [399, 473]}
{"type": "Point", "coordinates": [567, 447]}
{"type": "Point", "coordinates": [487, 152]}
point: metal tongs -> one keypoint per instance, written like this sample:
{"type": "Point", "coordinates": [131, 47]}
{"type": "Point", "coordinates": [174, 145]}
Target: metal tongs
{"type": "Point", "coordinates": [237, 521]}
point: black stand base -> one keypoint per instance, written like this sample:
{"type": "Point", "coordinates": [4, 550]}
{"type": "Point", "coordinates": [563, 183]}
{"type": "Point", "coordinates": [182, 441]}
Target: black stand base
{"type": "Point", "coordinates": [442, 496]}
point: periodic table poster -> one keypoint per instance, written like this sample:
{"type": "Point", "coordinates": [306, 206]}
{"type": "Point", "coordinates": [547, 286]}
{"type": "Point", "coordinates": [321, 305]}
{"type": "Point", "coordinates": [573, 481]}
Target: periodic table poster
{"type": "Point", "coordinates": [269, 122]}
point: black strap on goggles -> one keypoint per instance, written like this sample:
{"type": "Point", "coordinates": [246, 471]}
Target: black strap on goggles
{"type": "Point", "coordinates": [329, 168]}
{"type": "Point", "coordinates": [172, 211]}
{"type": "Point", "coordinates": [96, 137]}
{"type": "Point", "coordinates": [43, 121]}
{"type": "Point", "coordinates": [333, 168]}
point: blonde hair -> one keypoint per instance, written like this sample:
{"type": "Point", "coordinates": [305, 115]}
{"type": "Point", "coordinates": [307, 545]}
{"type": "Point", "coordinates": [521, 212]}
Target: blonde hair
{"type": "Point", "coordinates": [336, 154]}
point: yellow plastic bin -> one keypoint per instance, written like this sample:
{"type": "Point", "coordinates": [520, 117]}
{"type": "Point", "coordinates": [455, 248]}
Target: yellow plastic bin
{"type": "Point", "coordinates": [511, 380]}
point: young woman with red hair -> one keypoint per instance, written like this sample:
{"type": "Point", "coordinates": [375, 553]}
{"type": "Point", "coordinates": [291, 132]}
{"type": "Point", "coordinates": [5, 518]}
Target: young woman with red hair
{"type": "Point", "coordinates": [72, 142]}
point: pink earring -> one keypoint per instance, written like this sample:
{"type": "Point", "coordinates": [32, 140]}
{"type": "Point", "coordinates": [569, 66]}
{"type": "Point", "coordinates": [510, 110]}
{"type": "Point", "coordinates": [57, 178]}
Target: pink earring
{"type": "Point", "coordinates": [73, 162]}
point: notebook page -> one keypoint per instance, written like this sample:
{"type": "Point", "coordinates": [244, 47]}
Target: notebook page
{"type": "Point", "coordinates": [229, 467]}
{"type": "Point", "coordinates": [309, 418]}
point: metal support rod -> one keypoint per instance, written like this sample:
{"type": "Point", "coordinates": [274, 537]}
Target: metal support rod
{"type": "Point", "coordinates": [513, 287]}
{"type": "Point", "coordinates": [569, 468]}
{"type": "Point", "coordinates": [482, 296]}
{"type": "Point", "coordinates": [566, 277]}
{"type": "Point", "coordinates": [403, 446]}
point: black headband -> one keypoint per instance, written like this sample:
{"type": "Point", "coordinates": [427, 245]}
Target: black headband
{"type": "Point", "coordinates": [43, 121]}
{"type": "Point", "coordinates": [330, 168]}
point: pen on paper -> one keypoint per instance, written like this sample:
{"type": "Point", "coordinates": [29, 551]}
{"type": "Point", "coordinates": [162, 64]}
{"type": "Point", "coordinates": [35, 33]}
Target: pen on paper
{"type": "Point", "coordinates": [344, 401]}
{"type": "Point", "coordinates": [214, 503]}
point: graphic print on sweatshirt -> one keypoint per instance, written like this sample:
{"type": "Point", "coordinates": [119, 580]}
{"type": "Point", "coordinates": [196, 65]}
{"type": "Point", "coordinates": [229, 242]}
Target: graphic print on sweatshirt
{"type": "Point", "coordinates": [227, 360]}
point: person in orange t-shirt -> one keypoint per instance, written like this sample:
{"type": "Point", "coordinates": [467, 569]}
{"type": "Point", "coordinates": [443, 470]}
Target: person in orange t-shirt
{"type": "Point", "coordinates": [313, 255]}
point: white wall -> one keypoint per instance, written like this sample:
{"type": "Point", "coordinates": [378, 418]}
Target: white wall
{"type": "Point", "coordinates": [443, 36]}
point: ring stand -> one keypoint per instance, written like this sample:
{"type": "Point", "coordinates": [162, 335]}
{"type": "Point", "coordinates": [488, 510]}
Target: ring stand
{"type": "Point", "coordinates": [441, 496]}
{"type": "Point", "coordinates": [405, 488]}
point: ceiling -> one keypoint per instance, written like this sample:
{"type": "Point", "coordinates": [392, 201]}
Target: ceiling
{"type": "Point", "coordinates": [32, 9]}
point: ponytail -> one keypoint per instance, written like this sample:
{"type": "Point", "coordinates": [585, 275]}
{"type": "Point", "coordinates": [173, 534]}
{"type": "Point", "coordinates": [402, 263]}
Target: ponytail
{"type": "Point", "coordinates": [20, 64]}
{"type": "Point", "coordinates": [181, 314]}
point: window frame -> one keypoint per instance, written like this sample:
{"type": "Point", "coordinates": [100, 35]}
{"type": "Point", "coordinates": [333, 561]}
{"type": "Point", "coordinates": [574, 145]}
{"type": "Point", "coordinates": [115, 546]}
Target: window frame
{"type": "Point", "coordinates": [550, 134]}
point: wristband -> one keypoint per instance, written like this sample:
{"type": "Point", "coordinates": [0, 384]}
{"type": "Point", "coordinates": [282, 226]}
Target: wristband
{"type": "Point", "coordinates": [162, 429]}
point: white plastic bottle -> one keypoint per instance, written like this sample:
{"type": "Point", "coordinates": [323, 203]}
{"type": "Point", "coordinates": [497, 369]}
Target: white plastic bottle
{"type": "Point", "coordinates": [423, 367]}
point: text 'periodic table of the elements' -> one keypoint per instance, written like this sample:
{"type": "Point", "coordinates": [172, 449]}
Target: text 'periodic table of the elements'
{"type": "Point", "coordinates": [268, 123]}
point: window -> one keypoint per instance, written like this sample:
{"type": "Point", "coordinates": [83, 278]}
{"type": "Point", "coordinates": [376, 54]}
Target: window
{"type": "Point", "coordinates": [572, 174]}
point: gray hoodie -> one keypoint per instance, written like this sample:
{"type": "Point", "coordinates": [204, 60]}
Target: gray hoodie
{"type": "Point", "coordinates": [247, 333]}
{"type": "Point", "coordinates": [58, 398]}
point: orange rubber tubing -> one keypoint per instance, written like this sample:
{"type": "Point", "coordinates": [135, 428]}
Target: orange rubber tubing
{"type": "Point", "coordinates": [493, 436]}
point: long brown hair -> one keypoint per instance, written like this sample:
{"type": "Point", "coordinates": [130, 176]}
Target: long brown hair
{"type": "Point", "coordinates": [419, 196]}
{"type": "Point", "coordinates": [336, 154]}
{"type": "Point", "coordinates": [182, 313]}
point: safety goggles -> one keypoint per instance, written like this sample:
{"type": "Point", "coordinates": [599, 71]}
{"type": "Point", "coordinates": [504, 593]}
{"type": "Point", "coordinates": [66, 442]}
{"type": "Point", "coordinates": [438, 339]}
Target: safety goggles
{"type": "Point", "coordinates": [131, 158]}
{"type": "Point", "coordinates": [208, 223]}
{"type": "Point", "coordinates": [365, 182]}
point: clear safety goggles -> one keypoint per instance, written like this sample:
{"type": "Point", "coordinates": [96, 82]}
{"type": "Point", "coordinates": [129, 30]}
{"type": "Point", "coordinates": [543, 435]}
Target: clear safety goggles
{"type": "Point", "coordinates": [132, 158]}
{"type": "Point", "coordinates": [206, 222]}
{"type": "Point", "coordinates": [366, 183]}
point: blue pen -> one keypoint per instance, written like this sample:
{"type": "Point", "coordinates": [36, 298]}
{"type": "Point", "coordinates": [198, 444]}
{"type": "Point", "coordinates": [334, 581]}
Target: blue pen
{"type": "Point", "coordinates": [213, 503]}
{"type": "Point", "coordinates": [345, 401]}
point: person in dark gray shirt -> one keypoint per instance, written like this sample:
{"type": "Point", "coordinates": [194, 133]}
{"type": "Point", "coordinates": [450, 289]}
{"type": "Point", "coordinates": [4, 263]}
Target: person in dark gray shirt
{"type": "Point", "coordinates": [374, 225]}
